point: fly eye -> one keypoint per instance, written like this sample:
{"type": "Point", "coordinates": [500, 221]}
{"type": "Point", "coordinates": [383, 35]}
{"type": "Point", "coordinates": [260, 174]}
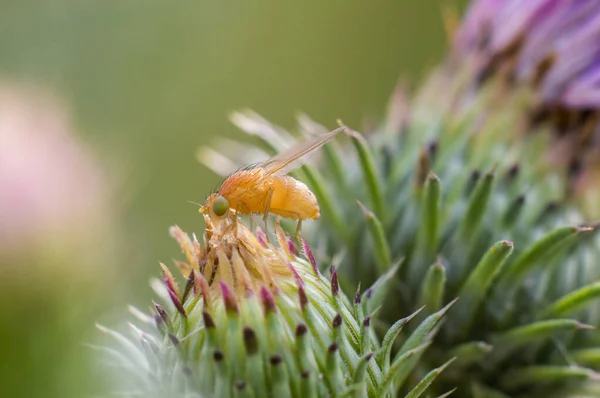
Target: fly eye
{"type": "Point", "coordinates": [220, 206]}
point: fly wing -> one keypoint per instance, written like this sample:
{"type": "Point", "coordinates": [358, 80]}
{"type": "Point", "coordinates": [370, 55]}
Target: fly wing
{"type": "Point", "coordinates": [282, 163]}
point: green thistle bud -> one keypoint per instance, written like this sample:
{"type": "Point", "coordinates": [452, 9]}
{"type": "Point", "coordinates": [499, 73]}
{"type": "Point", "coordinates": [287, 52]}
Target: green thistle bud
{"type": "Point", "coordinates": [504, 241]}
{"type": "Point", "coordinates": [459, 196]}
{"type": "Point", "coordinates": [463, 185]}
{"type": "Point", "coordinates": [259, 319]}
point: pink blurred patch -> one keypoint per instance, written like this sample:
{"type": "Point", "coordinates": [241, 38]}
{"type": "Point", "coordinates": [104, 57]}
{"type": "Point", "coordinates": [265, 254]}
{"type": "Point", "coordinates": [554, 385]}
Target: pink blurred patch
{"type": "Point", "coordinates": [50, 183]}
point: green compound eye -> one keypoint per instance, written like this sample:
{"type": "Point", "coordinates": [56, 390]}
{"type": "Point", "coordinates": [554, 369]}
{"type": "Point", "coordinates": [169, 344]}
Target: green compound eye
{"type": "Point", "coordinates": [220, 206]}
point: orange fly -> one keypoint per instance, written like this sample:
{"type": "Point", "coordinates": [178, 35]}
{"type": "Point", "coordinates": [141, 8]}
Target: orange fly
{"type": "Point", "coordinates": [265, 188]}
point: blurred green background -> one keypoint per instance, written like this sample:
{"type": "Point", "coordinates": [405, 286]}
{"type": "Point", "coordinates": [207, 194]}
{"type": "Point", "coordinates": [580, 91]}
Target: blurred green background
{"type": "Point", "coordinates": [147, 82]}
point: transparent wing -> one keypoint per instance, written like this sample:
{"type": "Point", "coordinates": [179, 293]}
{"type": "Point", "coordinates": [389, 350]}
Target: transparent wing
{"type": "Point", "coordinates": [282, 163]}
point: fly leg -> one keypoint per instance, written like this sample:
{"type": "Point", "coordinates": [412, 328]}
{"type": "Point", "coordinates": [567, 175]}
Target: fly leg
{"type": "Point", "coordinates": [235, 221]}
{"type": "Point", "coordinates": [267, 209]}
{"type": "Point", "coordinates": [294, 215]}
{"type": "Point", "coordinates": [298, 229]}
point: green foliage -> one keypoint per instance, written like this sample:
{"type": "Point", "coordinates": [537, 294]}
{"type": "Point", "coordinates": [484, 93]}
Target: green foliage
{"type": "Point", "coordinates": [302, 339]}
{"type": "Point", "coordinates": [452, 213]}
{"type": "Point", "coordinates": [471, 210]}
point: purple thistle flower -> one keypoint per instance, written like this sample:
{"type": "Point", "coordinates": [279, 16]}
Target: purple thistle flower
{"type": "Point", "coordinates": [229, 299]}
{"type": "Point", "coordinates": [267, 300]}
{"type": "Point", "coordinates": [302, 297]}
{"type": "Point", "coordinates": [309, 255]}
{"type": "Point", "coordinates": [551, 43]}
{"type": "Point", "coordinates": [548, 50]}
{"type": "Point", "coordinates": [262, 237]}
{"type": "Point", "coordinates": [296, 275]}
{"type": "Point", "coordinates": [335, 287]}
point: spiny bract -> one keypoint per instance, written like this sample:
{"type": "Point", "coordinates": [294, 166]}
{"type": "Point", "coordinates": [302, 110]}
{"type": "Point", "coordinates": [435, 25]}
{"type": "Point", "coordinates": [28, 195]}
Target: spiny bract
{"type": "Point", "coordinates": [471, 188]}
{"type": "Point", "coordinates": [257, 319]}
{"type": "Point", "coordinates": [474, 183]}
